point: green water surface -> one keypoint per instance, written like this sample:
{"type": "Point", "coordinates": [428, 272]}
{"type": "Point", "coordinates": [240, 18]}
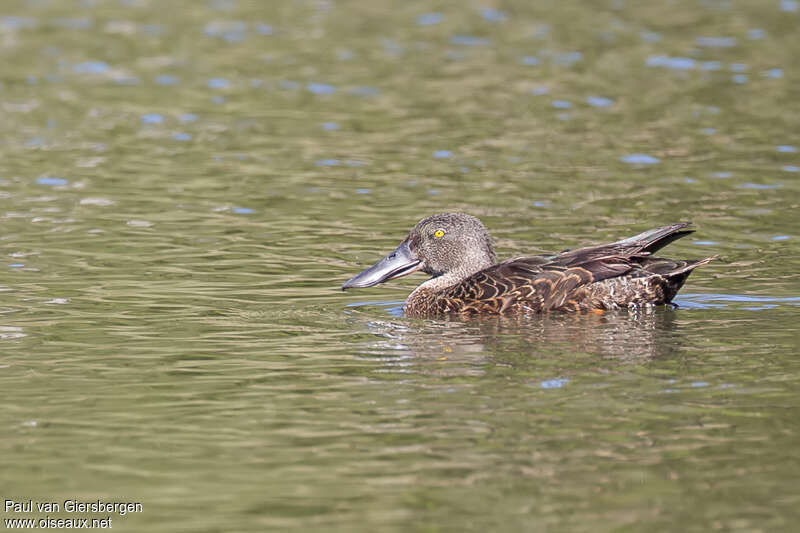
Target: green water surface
{"type": "Point", "coordinates": [185, 185]}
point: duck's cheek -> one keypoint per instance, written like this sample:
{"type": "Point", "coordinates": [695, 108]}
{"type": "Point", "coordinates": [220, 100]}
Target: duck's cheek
{"type": "Point", "coordinates": [433, 270]}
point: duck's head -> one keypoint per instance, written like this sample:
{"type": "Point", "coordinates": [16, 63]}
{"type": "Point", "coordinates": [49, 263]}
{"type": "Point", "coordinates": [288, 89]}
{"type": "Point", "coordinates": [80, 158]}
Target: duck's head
{"type": "Point", "coordinates": [453, 244]}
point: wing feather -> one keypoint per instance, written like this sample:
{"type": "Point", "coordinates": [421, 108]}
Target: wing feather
{"type": "Point", "coordinates": [535, 285]}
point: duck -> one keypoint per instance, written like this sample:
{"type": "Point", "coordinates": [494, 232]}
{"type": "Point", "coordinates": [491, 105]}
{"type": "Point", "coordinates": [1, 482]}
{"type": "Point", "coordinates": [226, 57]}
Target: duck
{"type": "Point", "coordinates": [456, 251]}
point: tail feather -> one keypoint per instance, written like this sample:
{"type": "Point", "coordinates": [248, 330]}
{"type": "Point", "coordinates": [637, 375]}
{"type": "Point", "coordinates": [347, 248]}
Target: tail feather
{"type": "Point", "coordinates": [690, 265]}
{"type": "Point", "coordinates": [671, 267]}
{"type": "Point", "coordinates": [653, 240]}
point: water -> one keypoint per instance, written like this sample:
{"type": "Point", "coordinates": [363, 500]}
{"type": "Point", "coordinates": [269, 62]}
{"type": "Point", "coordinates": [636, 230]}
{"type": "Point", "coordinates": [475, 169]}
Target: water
{"type": "Point", "coordinates": [183, 192]}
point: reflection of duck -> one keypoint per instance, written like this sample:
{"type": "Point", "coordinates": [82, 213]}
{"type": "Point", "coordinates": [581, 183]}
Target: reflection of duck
{"type": "Point", "coordinates": [467, 279]}
{"type": "Point", "coordinates": [636, 336]}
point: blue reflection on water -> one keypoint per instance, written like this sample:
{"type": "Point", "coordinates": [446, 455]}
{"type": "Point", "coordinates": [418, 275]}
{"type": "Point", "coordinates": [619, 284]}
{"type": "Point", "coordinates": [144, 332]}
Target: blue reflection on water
{"type": "Point", "coordinates": [391, 47]}
{"type": "Point", "coordinates": [320, 88]}
{"type": "Point", "coordinates": [567, 59]}
{"type": "Point", "coordinates": [166, 79]}
{"type": "Point", "coordinates": [640, 159]}
{"type": "Point", "coordinates": [78, 23]}
{"type": "Point", "coordinates": [711, 65]}
{"type": "Point", "coordinates": [554, 383]}
{"type": "Point", "coordinates": [786, 148]}
{"type": "Point", "coordinates": [442, 154]}
{"type": "Point", "coordinates": [760, 307]}
{"type": "Point", "coordinates": [717, 301]}
{"type": "Point", "coordinates": [394, 308]}
{"type": "Point", "coordinates": [242, 210]}
{"type": "Point", "coordinates": [599, 101]}
{"type": "Point", "coordinates": [91, 67]}
{"type": "Point", "coordinates": [494, 15]}
{"type": "Point", "coordinates": [561, 104]}
{"type": "Point", "coordinates": [716, 42]}
{"type": "Point", "coordinates": [430, 19]}
{"type": "Point", "coordinates": [746, 298]}
{"type": "Point", "coordinates": [218, 83]}
{"type": "Point", "coordinates": [50, 180]}
{"type": "Point", "coordinates": [650, 36]}
{"type": "Point", "coordinates": [152, 118]}
{"type": "Point", "coordinates": [469, 40]}
{"type": "Point", "coordinates": [677, 63]}
{"type": "Point", "coordinates": [230, 31]}
{"type": "Point", "coordinates": [17, 23]}
{"type": "Point", "coordinates": [264, 29]}
{"type": "Point", "coordinates": [759, 186]}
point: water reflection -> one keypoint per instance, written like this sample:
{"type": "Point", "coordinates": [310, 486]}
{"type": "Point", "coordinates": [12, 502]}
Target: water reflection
{"type": "Point", "coordinates": [182, 191]}
{"type": "Point", "coordinates": [623, 336]}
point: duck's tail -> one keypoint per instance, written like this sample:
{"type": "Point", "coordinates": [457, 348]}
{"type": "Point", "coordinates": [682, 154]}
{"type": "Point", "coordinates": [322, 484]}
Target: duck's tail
{"type": "Point", "coordinates": [674, 272]}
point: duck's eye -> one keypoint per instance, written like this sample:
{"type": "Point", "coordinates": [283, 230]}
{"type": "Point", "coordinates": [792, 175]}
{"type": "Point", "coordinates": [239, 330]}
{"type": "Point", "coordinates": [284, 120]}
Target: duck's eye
{"type": "Point", "coordinates": [438, 233]}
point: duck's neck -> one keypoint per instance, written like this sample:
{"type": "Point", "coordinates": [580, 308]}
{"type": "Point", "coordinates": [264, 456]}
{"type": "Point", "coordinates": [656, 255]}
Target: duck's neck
{"type": "Point", "coordinates": [449, 279]}
{"type": "Point", "coordinates": [439, 283]}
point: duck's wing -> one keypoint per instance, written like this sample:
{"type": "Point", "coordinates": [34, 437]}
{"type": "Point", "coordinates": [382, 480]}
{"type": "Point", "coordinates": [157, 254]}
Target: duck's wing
{"type": "Point", "coordinates": [643, 244]}
{"type": "Point", "coordinates": [530, 284]}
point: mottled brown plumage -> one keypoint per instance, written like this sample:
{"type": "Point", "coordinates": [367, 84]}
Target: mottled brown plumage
{"type": "Point", "coordinates": [455, 249]}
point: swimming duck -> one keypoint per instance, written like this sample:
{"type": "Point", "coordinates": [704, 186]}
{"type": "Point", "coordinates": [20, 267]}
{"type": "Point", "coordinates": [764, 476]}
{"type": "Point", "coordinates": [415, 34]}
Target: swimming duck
{"type": "Point", "coordinates": [456, 250]}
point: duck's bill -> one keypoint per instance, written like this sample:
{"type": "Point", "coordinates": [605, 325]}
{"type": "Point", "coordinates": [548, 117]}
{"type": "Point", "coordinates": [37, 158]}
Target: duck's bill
{"type": "Point", "coordinates": [400, 262]}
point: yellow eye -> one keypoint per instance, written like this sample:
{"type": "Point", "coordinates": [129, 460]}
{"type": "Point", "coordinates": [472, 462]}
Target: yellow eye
{"type": "Point", "coordinates": [438, 233]}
